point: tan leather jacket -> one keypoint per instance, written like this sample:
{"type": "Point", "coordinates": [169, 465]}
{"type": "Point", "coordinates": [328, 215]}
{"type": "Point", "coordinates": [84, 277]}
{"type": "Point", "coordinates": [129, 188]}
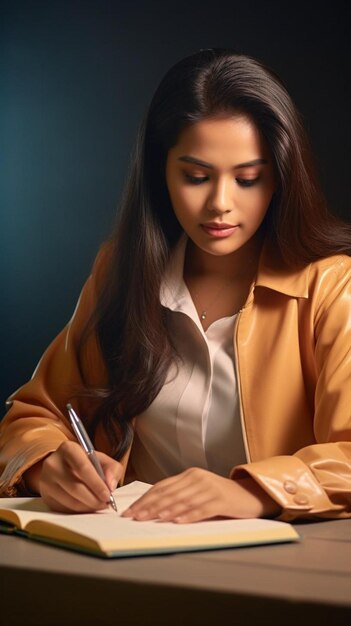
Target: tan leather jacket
{"type": "Point", "coordinates": [293, 358]}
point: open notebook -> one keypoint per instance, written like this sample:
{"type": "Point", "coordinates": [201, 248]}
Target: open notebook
{"type": "Point", "coordinates": [107, 534]}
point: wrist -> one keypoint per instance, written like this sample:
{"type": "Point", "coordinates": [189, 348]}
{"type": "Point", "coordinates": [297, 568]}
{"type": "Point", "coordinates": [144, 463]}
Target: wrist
{"type": "Point", "coordinates": [265, 505]}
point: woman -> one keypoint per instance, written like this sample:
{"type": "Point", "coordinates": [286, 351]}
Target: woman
{"type": "Point", "coordinates": [209, 353]}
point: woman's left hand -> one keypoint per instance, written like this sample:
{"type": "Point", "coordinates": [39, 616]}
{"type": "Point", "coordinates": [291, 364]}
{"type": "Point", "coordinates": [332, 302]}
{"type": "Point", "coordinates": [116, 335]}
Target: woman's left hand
{"type": "Point", "coordinates": [197, 494]}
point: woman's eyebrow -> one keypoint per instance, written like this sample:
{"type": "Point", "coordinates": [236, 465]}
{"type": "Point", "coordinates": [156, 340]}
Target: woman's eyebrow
{"type": "Point", "coordinates": [190, 159]}
{"type": "Point", "coordinates": [251, 163]}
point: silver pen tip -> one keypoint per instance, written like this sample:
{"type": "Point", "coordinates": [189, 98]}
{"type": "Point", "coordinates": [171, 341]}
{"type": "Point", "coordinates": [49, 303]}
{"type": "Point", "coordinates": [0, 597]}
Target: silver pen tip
{"type": "Point", "coordinates": [113, 503]}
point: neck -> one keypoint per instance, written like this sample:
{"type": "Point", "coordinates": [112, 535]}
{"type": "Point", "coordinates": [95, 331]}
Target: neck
{"type": "Point", "coordinates": [240, 263]}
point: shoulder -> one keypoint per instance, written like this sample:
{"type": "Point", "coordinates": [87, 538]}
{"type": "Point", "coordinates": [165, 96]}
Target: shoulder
{"type": "Point", "coordinates": [102, 264]}
{"type": "Point", "coordinates": [103, 256]}
{"type": "Point", "coordinates": [330, 269]}
{"type": "Point", "coordinates": [329, 282]}
{"type": "Point", "coordinates": [339, 262]}
{"type": "Point", "coordinates": [301, 282]}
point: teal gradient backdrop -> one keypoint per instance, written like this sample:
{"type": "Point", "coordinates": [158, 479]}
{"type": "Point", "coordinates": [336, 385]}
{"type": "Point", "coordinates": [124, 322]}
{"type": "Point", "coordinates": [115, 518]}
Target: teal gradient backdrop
{"type": "Point", "coordinates": [75, 79]}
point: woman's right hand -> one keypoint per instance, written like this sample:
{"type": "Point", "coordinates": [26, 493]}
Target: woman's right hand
{"type": "Point", "coordinates": [68, 482]}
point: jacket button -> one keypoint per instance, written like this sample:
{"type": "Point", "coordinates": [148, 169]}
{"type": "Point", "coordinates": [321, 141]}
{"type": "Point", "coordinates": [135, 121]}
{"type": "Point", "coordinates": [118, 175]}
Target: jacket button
{"type": "Point", "coordinates": [290, 486]}
{"type": "Point", "coordinates": [301, 498]}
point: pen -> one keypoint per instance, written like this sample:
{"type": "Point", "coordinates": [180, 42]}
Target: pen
{"type": "Point", "coordinates": [86, 444]}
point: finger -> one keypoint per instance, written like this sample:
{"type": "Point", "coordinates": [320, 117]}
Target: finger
{"type": "Point", "coordinates": [67, 502]}
{"type": "Point", "coordinates": [183, 511]}
{"type": "Point", "coordinates": [65, 470]}
{"type": "Point", "coordinates": [82, 494]}
{"type": "Point", "coordinates": [113, 470]}
{"type": "Point", "coordinates": [168, 487]}
{"type": "Point", "coordinates": [79, 468]}
{"type": "Point", "coordinates": [176, 498]}
{"type": "Point", "coordinates": [155, 497]}
{"type": "Point", "coordinates": [192, 505]}
{"type": "Point", "coordinates": [70, 493]}
{"type": "Point", "coordinates": [197, 514]}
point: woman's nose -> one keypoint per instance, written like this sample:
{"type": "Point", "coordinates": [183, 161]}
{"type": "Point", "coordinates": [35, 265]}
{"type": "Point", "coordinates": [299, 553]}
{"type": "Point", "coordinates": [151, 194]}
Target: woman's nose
{"type": "Point", "coordinates": [221, 198]}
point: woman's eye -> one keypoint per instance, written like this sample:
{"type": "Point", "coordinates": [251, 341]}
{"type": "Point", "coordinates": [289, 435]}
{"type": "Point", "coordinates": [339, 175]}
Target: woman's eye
{"type": "Point", "coordinates": [247, 182]}
{"type": "Point", "coordinates": [196, 180]}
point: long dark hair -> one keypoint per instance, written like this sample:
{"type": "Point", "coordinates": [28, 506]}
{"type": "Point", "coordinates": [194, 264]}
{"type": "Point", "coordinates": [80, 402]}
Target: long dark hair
{"type": "Point", "coordinates": [129, 321]}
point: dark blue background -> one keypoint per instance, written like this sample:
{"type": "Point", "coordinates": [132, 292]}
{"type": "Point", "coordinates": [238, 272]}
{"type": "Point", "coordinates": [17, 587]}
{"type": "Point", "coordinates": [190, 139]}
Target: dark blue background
{"type": "Point", "coordinates": [75, 79]}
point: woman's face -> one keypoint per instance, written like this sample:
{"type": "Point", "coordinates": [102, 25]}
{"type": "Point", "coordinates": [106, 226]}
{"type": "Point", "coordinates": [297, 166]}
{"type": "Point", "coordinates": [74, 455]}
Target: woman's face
{"type": "Point", "coordinates": [220, 180]}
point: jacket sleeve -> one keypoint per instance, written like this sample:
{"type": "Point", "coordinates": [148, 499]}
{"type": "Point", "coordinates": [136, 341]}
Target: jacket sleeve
{"type": "Point", "coordinates": [315, 482]}
{"type": "Point", "coordinates": [36, 422]}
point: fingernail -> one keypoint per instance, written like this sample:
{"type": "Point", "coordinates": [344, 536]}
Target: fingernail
{"type": "Point", "coordinates": [163, 514]}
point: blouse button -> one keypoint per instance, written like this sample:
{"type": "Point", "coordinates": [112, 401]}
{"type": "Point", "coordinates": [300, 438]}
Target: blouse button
{"type": "Point", "coordinates": [290, 486]}
{"type": "Point", "coordinates": [301, 499]}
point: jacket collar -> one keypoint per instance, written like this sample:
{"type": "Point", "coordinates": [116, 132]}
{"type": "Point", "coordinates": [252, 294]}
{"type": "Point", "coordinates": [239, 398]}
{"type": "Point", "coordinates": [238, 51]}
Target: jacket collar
{"type": "Point", "coordinates": [273, 274]}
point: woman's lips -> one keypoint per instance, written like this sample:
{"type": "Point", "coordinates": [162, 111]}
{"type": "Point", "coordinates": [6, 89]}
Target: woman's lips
{"type": "Point", "coordinates": [219, 230]}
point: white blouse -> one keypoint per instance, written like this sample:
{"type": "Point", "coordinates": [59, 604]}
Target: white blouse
{"type": "Point", "coordinates": [194, 421]}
